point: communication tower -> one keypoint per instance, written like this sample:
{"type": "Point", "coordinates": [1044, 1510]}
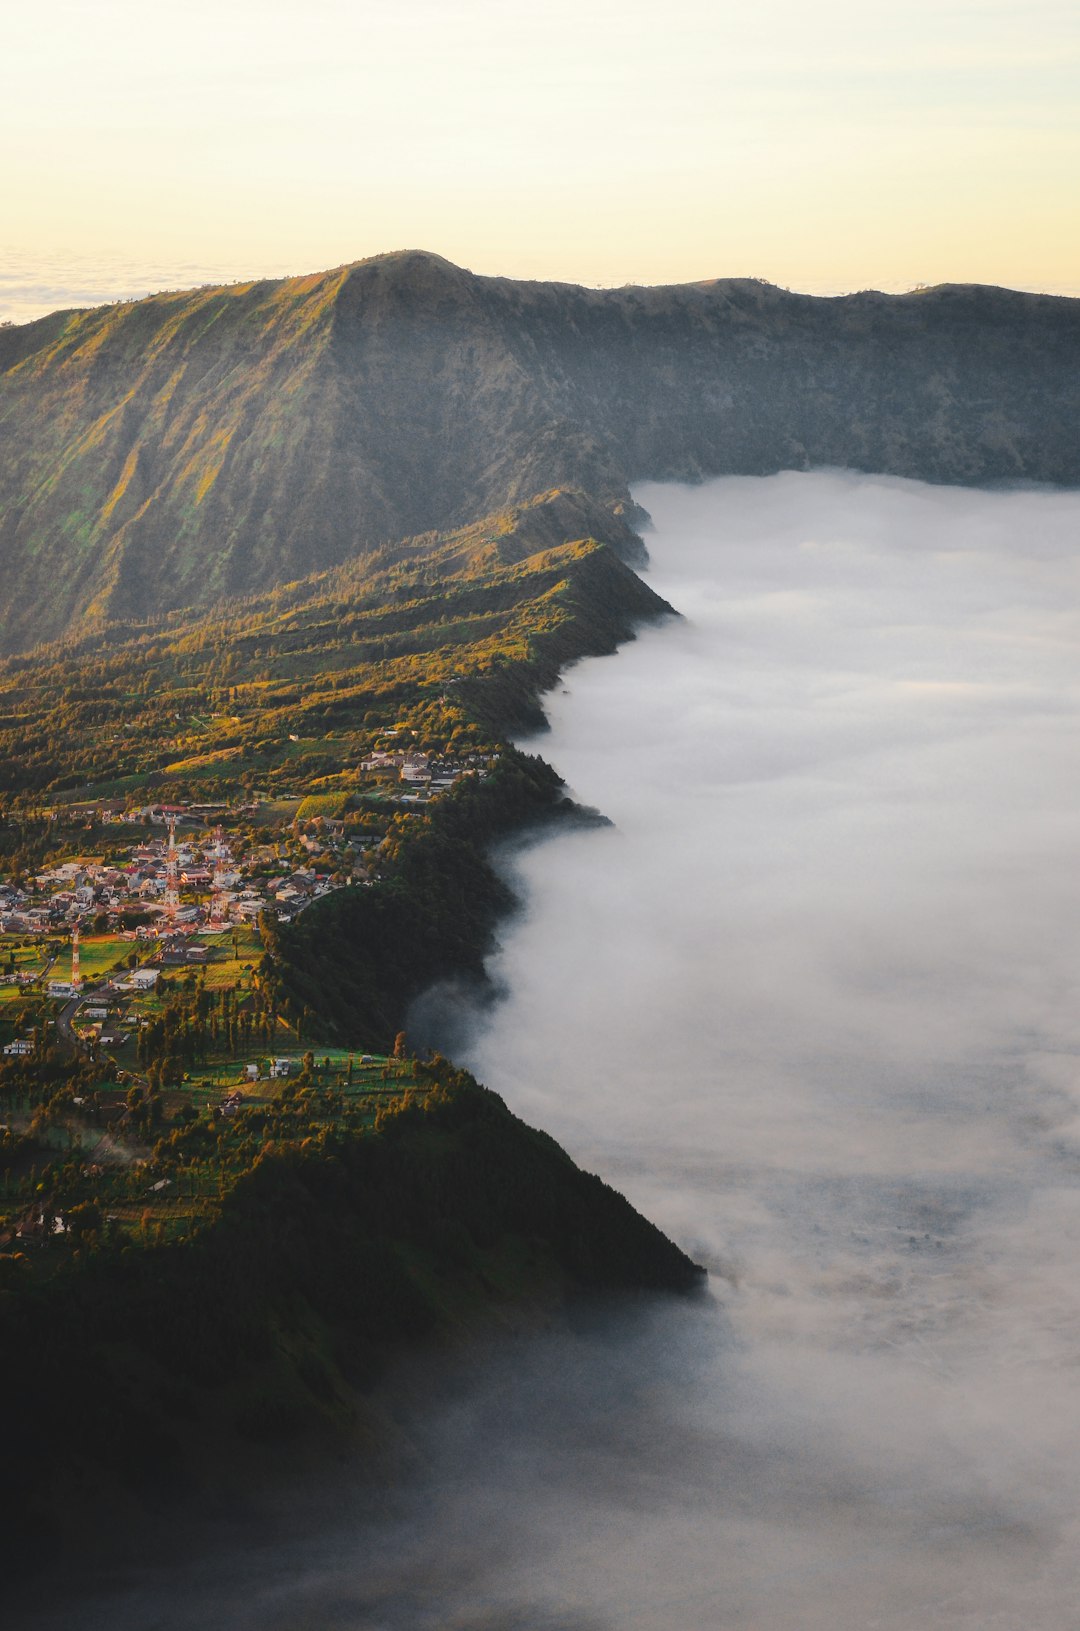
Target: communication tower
{"type": "Point", "coordinates": [76, 977]}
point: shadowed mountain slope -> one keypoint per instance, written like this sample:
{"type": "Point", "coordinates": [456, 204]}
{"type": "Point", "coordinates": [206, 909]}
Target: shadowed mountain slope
{"type": "Point", "coordinates": [177, 450]}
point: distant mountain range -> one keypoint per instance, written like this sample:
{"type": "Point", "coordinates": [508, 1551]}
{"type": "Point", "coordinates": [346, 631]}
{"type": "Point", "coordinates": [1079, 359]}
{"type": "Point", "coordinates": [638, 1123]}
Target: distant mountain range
{"type": "Point", "coordinates": [175, 451]}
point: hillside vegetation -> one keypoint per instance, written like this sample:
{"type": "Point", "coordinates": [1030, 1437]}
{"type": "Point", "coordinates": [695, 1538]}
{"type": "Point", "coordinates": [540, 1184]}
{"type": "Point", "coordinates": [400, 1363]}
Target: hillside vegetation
{"type": "Point", "coordinates": [194, 446]}
{"type": "Point", "coordinates": [214, 1258]}
{"type": "Point", "coordinates": [151, 1374]}
{"type": "Point", "coordinates": [458, 632]}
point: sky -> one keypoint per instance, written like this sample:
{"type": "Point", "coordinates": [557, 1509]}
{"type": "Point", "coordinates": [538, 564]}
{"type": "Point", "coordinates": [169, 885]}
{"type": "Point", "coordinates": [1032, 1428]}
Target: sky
{"type": "Point", "coordinates": [825, 147]}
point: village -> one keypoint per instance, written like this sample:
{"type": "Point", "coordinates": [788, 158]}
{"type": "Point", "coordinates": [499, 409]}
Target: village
{"type": "Point", "coordinates": [181, 887]}
{"type": "Point", "coordinates": [180, 878]}
{"type": "Point", "coordinates": [133, 973]}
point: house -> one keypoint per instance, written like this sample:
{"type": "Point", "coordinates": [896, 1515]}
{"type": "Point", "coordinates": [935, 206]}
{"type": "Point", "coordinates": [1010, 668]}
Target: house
{"type": "Point", "coordinates": [175, 952]}
{"type": "Point", "coordinates": [62, 988]}
{"type": "Point", "coordinates": [415, 768]}
{"type": "Point", "coordinates": [19, 1050]}
{"type": "Point", "coordinates": [144, 979]}
{"type": "Point", "coordinates": [282, 1067]}
{"type": "Point", "coordinates": [160, 813]}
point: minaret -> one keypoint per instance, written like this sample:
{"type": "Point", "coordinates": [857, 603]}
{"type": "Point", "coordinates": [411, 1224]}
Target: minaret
{"type": "Point", "coordinates": [217, 906]}
{"type": "Point", "coordinates": [76, 977]}
{"type": "Point", "coordinates": [172, 887]}
{"type": "Point", "coordinates": [221, 856]}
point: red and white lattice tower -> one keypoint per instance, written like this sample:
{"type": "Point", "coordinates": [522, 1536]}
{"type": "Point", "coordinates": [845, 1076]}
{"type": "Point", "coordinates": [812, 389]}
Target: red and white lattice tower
{"type": "Point", "coordinates": [172, 874]}
{"type": "Point", "coordinates": [76, 977]}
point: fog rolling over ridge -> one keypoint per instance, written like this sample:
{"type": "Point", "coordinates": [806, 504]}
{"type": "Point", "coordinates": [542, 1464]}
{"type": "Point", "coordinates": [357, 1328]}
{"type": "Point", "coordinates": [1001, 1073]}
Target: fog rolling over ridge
{"type": "Point", "coordinates": [813, 1002]}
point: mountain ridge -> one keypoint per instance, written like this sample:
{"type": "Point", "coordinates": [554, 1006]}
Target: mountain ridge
{"type": "Point", "coordinates": [175, 451]}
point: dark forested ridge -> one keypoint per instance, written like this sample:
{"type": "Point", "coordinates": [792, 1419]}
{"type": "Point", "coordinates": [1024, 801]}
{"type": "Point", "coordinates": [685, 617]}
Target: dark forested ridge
{"type": "Point", "coordinates": [147, 1379]}
{"type": "Point", "coordinates": [364, 955]}
{"type": "Point", "coordinates": [177, 450]}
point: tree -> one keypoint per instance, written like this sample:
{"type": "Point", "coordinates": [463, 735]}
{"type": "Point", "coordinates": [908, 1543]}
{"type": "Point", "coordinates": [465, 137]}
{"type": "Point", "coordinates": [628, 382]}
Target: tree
{"type": "Point", "coordinates": [83, 1220]}
{"type": "Point", "coordinates": [400, 1045]}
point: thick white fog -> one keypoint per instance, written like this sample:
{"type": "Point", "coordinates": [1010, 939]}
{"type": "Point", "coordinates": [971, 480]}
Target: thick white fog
{"type": "Point", "coordinates": [813, 1002]}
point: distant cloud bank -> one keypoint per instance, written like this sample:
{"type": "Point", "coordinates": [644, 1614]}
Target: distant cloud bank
{"type": "Point", "coordinates": [32, 286]}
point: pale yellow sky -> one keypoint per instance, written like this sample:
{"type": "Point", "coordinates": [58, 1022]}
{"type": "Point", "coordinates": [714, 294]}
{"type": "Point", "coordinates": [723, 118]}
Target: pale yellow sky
{"type": "Point", "coordinates": [825, 147]}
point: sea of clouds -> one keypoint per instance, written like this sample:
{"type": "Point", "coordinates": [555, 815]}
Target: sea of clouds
{"type": "Point", "coordinates": [33, 285]}
{"type": "Point", "coordinates": [813, 1002]}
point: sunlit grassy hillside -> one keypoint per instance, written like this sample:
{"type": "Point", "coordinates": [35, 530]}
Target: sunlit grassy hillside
{"type": "Point", "coordinates": [457, 632]}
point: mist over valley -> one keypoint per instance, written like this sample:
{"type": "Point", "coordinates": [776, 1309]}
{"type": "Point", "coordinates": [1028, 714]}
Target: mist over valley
{"type": "Point", "coordinates": [811, 1003]}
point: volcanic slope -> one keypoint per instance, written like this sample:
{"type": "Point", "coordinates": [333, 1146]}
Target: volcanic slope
{"type": "Point", "coordinates": [178, 450]}
{"type": "Point", "coordinates": [458, 633]}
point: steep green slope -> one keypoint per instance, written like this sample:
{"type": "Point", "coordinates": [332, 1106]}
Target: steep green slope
{"type": "Point", "coordinates": [156, 1374]}
{"type": "Point", "coordinates": [459, 632]}
{"type": "Point", "coordinates": [172, 451]}
{"type": "Point", "coordinates": [353, 963]}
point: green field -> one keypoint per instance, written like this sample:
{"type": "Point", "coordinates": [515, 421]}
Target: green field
{"type": "Point", "coordinates": [98, 956]}
{"type": "Point", "coordinates": [276, 811]}
{"type": "Point", "coordinates": [30, 956]}
{"type": "Point", "coordinates": [243, 950]}
{"type": "Point", "coordinates": [322, 804]}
